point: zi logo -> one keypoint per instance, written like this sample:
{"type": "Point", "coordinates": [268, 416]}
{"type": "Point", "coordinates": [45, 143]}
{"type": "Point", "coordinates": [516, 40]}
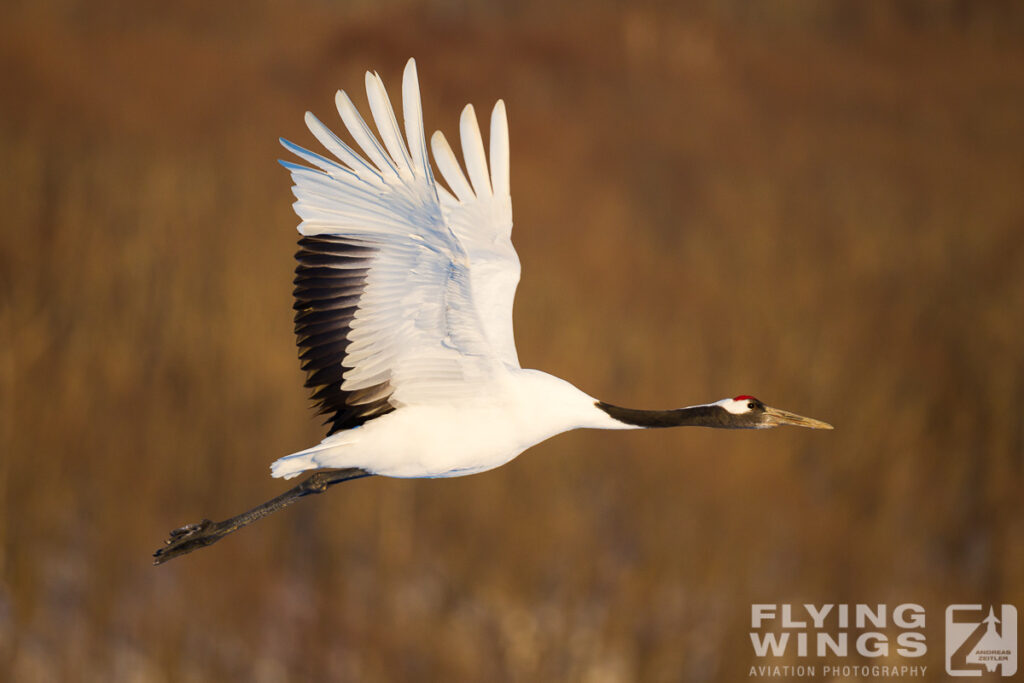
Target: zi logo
{"type": "Point", "coordinates": [977, 640]}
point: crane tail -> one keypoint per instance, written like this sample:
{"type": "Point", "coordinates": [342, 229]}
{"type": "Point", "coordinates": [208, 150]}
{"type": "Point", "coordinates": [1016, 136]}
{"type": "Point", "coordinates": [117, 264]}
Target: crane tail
{"type": "Point", "coordinates": [292, 466]}
{"type": "Point", "coordinates": [329, 453]}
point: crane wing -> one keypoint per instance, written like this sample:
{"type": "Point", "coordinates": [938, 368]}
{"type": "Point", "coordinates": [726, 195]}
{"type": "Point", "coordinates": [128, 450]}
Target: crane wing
{"type": "Point", "coordinates": [481, 216]}
{"type": "Point", "coordinates": [386, 298]}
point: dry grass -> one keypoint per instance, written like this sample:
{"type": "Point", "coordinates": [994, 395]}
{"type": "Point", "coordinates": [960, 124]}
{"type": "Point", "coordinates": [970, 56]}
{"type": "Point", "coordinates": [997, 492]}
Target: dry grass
{"type": "Point", "coordinates": [818, 203]}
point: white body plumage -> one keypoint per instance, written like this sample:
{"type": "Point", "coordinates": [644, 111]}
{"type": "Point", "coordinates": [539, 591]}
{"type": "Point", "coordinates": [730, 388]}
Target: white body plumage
{"type": "Point", "coordinates": [519, 410]}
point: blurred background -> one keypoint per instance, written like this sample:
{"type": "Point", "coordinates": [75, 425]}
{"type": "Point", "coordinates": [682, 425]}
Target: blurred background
{"type": "Point", "coordinates": [819, 203]}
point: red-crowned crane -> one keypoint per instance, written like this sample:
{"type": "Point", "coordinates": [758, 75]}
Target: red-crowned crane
{"type": "Point", "coordinates": [403, 298]}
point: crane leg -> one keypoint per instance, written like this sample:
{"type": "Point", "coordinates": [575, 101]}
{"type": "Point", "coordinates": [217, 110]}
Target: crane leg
{"type": "Point", "coordinates": [184, 540]}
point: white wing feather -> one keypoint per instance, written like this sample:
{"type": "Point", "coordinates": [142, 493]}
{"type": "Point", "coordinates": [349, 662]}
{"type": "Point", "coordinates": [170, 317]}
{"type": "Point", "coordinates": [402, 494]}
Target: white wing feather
{"type": "Point", "coordinates": [481, 217]}
{"type": "Point", "coordinates": [433, 321]}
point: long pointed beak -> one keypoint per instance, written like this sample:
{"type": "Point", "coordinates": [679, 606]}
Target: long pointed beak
{"type": "Point", "coordinates": [775, 417]}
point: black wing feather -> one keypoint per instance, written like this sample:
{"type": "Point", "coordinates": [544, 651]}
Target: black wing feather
{"type": "Point", "coordinates": [329, 279]}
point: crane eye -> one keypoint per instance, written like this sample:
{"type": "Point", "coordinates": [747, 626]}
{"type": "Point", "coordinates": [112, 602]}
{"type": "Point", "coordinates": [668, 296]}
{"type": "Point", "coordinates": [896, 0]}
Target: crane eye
{"type": "Point", "coordinates": [751, 405]}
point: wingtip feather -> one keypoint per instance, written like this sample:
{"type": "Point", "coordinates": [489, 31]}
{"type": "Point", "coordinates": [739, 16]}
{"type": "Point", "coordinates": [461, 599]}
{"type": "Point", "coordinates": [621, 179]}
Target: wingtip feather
{"type": "Point", "coordinates": [473, 152]}
{"type": "Point", "coordinates": [387, 124]}
{"type": "Point", "coordinates": [332, 143]}
{"type": "Point", "coordinates": [499, 150]}
{"type": "Point", "coordinates": [448, 165]}
{"type": "Point", "coordinates": [360, 132]}
{"type": "Point", "coordinates": [412, 112]}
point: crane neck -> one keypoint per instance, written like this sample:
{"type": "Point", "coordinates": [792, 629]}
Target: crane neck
{"type": "Point", "coordinates": [694, 416]}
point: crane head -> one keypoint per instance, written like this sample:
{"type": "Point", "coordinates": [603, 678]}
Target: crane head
{"type": "Point", "coordinates": [751, 413]}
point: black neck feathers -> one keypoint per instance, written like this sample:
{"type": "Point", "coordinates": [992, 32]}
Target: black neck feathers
{"type": "Point", "coordinates": [697, 416]}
